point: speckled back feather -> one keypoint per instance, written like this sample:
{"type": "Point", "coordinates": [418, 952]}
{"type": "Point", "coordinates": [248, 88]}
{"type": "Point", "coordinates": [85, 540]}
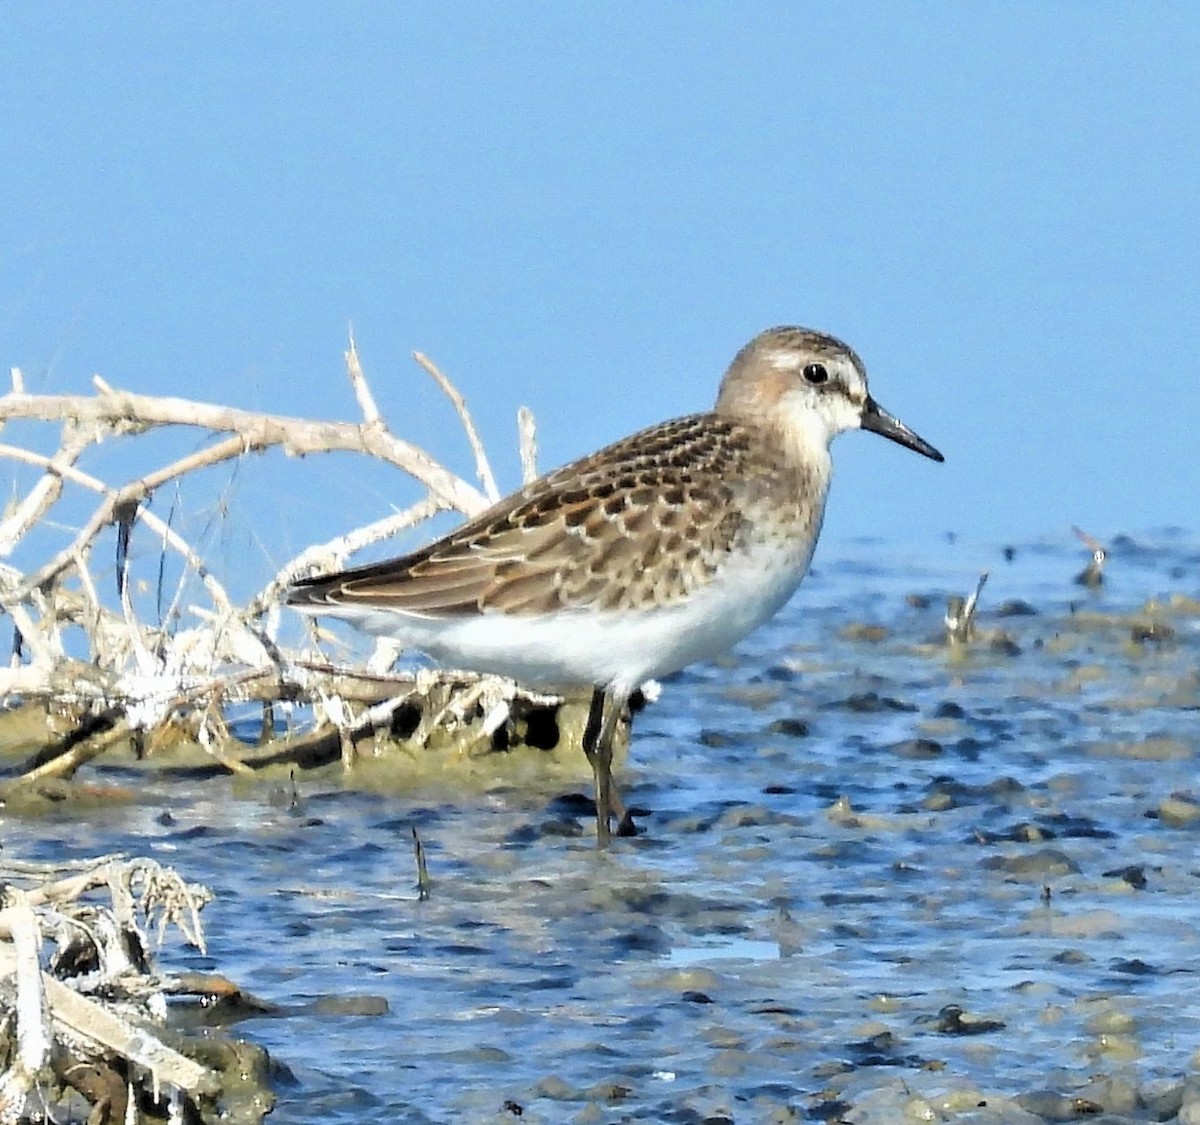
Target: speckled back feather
{"type": "Point", "coordinates": [643, 522]}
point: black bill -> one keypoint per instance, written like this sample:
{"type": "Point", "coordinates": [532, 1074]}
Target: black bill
{"type": "Point", "coordinates": [879, 421]}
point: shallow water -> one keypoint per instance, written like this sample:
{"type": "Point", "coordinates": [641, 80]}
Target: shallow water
{"type": "Point", "coordinates": [848, 837]}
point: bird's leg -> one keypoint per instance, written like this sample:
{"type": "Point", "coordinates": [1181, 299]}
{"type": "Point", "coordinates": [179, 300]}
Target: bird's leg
{"type": "Point", "coordinates": [598, 734]}
{"type": "Point", "coordinates": [625, 825]}
{"type": "Point", "coordinates": [616, 806]}
{"type": "Point", "coordinates": [601, 762]}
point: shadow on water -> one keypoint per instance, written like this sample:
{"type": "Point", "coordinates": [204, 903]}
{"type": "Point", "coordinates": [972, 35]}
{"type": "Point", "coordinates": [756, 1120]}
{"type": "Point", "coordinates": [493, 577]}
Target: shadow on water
{"type": "Point", "coordinates": [875, 870]}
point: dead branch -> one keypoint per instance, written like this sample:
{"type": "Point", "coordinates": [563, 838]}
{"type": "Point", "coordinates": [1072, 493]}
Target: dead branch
{"type": "Point", "coordinates": [43, 495]}
{"type": "Point", "coordinates": [482, 467]}
{"type": "Point", "coordinates": [362, 390]}
{"type": "Point", "coordinates": [56, 1025]}
{"type": "Point", "coordinates": [137, 676]}
{"type": "Point", "coordinates": [527, 438]}
{"type": "Point", "coordinates": [323, 557]}
{"type": "Point", "coordinates": [124, 412]}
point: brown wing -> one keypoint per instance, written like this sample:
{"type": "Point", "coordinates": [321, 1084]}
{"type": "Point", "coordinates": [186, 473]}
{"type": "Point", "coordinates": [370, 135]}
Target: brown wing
{"type": "Point", "coordinates": [595, 534]}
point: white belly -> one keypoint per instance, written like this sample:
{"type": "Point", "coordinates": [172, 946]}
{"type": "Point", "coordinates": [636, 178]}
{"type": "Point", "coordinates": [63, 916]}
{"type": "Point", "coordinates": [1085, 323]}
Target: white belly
{"type": "Point", "coordinates": [623, 649]}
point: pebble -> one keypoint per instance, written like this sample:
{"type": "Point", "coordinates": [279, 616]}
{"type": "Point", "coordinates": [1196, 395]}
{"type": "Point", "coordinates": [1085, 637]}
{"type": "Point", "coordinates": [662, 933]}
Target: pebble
{"type": "Point", "coordinates": [1044, 863]}
{"type": "Point", "coordinates": [351, 1006]}
{"type": "Point", "coordinates": [1179, 812]}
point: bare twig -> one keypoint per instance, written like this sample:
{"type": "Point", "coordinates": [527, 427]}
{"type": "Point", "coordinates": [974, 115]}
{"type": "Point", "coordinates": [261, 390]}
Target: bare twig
{"type": "Point", "coordinates": [527, 436]}
{"type": "Point", "coordinates": [424, 883]}
{"type": "Point", "coordinates": [139, 713]}
{"type": "Point", "coordinates": [43, 652]}
{"type": "Point", "coordinates": [1092, 575]}
{"type": "Point", "coordinates": [213, 734]}
{"type": "Point", "coordinates": [59, 1027]}
{"type": "Point", "coordinates": [163, 674]}
{"type": "Point", "coordinates": [482, 468]}
{"type": "Point", "coordinates": [80, 1017]}
{"type": "Point", "coordinates": [45, 493]}
{"type": "Point", "coordinates": [332, 554]}
{"type": "Point", "coordinates": [33, 1024]}
{"type": "Point", "coordinates": [362, 392]}
{"type": "Point", "coordinates": [960, 613]}
{"type": "Point", "coordinates": [126, 412]}
{"type": "Point", "coordinates": [103, 516]}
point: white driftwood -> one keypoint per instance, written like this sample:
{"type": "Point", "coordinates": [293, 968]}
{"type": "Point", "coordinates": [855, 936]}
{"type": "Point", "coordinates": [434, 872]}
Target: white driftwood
{"type": "Point", "coordinates": [124, 412]}
{"type": "Point", "coordinates": [33, 1031]}
{"type": "Point", "coordinates": [195, 660]}
{"type": "Point", "coordinates": [482, 467]}
{"type": "Point", "coordinates": [49, 1011]}
{"type": "Point", "coordinates": [527, 438]}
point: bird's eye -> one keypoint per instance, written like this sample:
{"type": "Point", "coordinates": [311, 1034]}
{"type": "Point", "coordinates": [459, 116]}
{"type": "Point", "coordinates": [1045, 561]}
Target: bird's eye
{"type": "Point", "coordinates": [816, 374]}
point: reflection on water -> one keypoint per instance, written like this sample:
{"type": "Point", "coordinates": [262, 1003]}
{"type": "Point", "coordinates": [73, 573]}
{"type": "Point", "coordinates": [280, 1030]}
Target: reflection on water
{"type": "Point", "coordinates": [874, 869]}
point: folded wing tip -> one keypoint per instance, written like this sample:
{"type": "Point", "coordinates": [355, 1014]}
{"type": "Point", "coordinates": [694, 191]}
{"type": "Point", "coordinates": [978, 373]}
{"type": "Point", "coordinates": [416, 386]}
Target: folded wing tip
{"type": "Point", "coordinates": [308, 592]}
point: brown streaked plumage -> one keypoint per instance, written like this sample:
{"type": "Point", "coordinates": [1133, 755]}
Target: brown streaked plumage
{"type": "Point", "coordinates": [662, 549]}
{"type": "Point", "coordinates": [642, 523]}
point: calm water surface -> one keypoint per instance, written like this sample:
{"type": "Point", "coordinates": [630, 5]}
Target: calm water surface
{"type": "Point", "coordinates": [873, 869]}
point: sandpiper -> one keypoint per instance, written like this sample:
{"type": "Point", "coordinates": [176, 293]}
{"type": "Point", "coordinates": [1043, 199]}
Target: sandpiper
{"type": "Point", "coordinates": [660, 550]}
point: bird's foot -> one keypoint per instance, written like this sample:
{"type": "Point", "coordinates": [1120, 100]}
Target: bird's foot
{"type": "Point", "coordinates": [626, 827]}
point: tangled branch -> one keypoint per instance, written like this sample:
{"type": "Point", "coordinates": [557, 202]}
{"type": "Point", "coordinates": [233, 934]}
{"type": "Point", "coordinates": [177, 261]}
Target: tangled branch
{"type": "Point", "coordinates": [136, 676]}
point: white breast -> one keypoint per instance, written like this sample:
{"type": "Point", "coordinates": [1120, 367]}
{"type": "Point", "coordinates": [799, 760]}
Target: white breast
{"type": "Point", "coordinates": [625, 648]}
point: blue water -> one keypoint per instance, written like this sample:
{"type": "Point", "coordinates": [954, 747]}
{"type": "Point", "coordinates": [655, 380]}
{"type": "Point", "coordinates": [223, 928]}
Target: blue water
{"type": "Point", "coordinates": [842, 838]}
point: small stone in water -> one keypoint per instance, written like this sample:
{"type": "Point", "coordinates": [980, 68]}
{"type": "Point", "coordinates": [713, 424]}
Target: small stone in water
{"type": "Point", "coordinates": [917, 748]}
{"type": "Point", "coordinates": [857, 631]}
{"type": "Point", "coordinates": [1043, 863]}
{"type": "Point", "coordinates": [872, 703]}
{"type": "Point", "coordinates": [1151, 632]}
{"type": "Point", "coordinates": [1178, 812]}
{"type": "Point", "coordinates": [351, 1006]}
{"type": "Point", "coordinates": [1110, 1022]}
{"type": "Point", "coordinates": [568, 829]}
{"type": "Point", "coordinates": [952, 1020]}
{"type": "Point", "coordinates": [1072, 957]}
{"type": "Point", "coordinates": [1015, 607]}
{"type": "Point", "coordinates": [556, 1089]}
{"type": "Point", "coordinates": [1052, 1106]}
{"type": "Point", "coordinates": [1004, 645]}
{"type": "Point", "coordinates": [1135, 967]}
{"type": "Point", "coordinates": [792, 728]}
{"type": "Point", "coordinates": [1134, 875]}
